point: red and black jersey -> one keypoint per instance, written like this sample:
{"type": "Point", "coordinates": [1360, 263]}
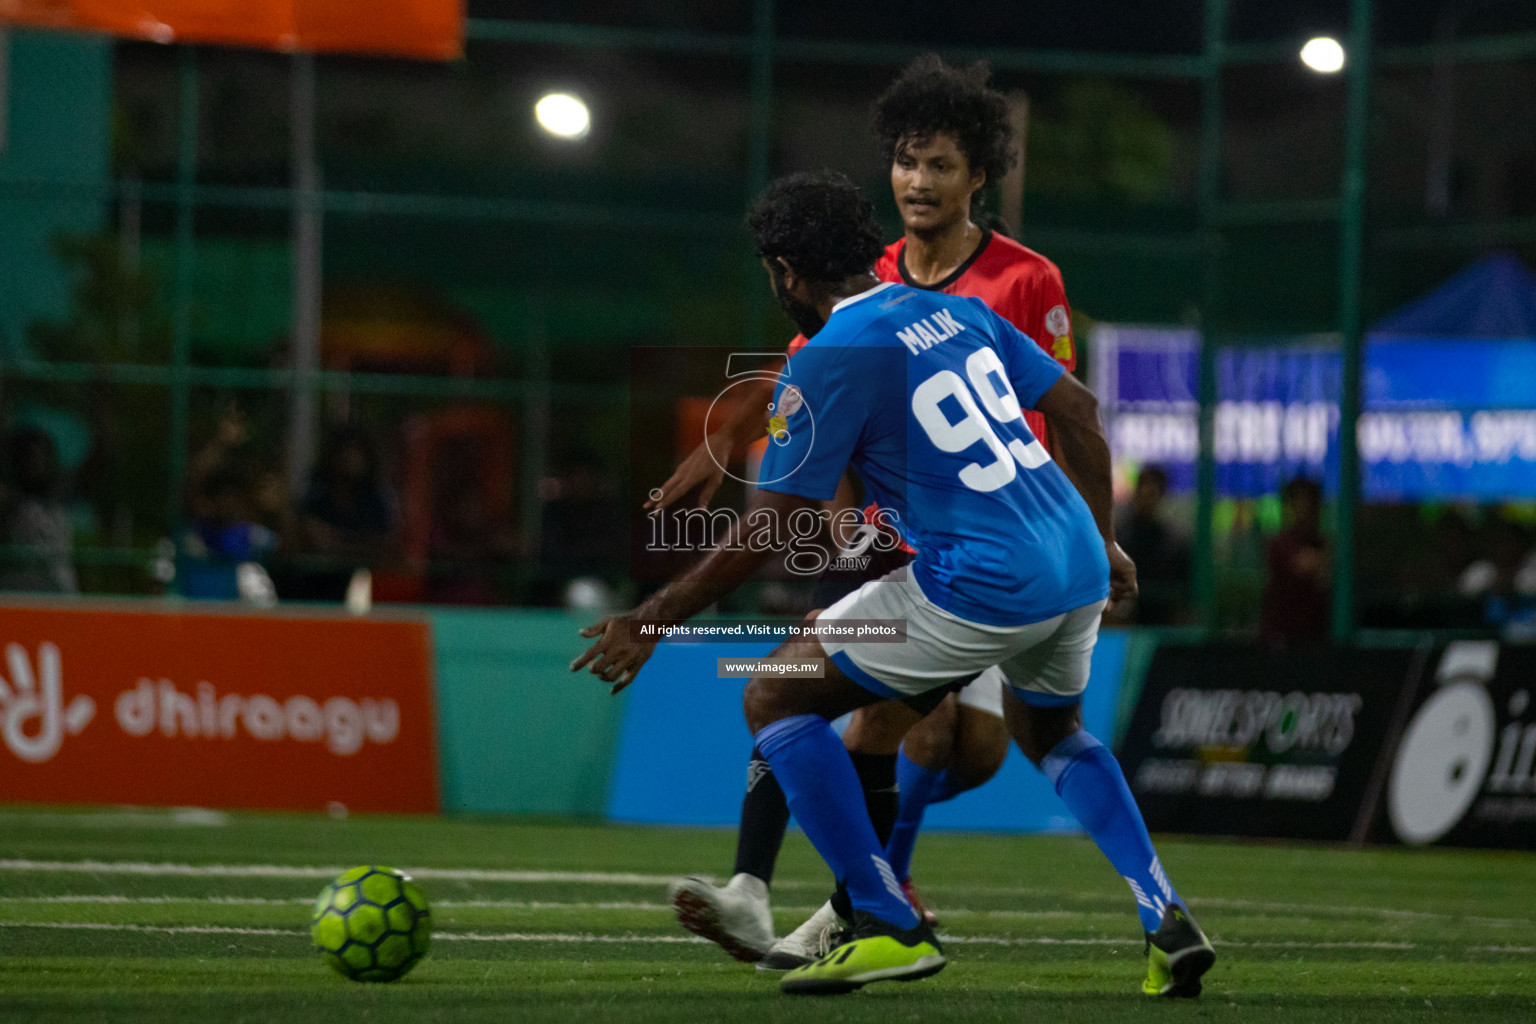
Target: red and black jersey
{"type": "Point", "coordinates": [1022, 286]}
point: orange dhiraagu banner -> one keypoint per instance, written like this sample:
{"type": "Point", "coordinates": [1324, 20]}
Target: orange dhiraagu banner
{"type": "Point", "coordinates": [215, 710]}
{"type": "Point", "coordinates": [427, 29]}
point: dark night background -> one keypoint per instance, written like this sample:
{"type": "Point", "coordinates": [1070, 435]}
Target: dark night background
{"type": "Point", "coordinates": [633, 236]}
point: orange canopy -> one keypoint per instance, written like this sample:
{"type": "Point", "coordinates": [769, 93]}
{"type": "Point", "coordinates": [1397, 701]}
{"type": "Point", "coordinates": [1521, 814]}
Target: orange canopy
{"type": "Point", "coordinates": [426, 29]}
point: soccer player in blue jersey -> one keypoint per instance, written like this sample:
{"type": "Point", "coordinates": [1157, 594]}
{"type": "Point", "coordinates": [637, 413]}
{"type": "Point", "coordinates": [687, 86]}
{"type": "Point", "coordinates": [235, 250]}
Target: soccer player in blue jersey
{"type": "Point", "coordinates": [945, 135]}
{"type": "Point", "coordinates": [923, 395]}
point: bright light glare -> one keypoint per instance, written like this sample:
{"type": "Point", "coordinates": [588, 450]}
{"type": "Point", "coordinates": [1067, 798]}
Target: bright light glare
{"type": "Point", "coordinates": [1323, 55]}
{"type": "Point", "coordinates": [563, 115]}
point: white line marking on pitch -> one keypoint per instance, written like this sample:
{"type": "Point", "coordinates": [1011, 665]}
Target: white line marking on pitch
{"type": "Point", "coordinates": [180, 817]}
{"type": "Point", "coordinates": [198, 929]}
{"type": "Point", "coordinates": [618, 878]}
{"type": "Point", "coordinates": [623, 905]}
{"type": "Point", "coordinates": [99, 867]}
{"type": "Point", "coordinates": [1022, 915]}
{"type": "Point", "coordinates": [223, 901]}
{"type": "Point", "coordinates": [178, 929]}
{"type": "Point", "coordinates": [262, 901]}
{"type": "Point", "coordinates": [668, 940]}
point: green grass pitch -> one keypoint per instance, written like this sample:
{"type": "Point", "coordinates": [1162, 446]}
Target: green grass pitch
{"type": "Point", "coordinates": [136, 916]}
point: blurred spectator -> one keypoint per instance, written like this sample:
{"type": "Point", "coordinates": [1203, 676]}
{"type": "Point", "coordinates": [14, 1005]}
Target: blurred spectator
{"type": "Point", "coordinates": [583, 531]}
{"type": "Point", "coordinates": [223, 540]}
{"type": "Point", "coordinates": [1453, 546]}
{"type": "Point", "coordinates": [1160, 554]}
{"type": "Point", "coordinates": [1497, 572]}
{"type": "Point", "coordinates": [1240, 540]}
{"type": "Point", "coordinates": [1504, 583]}
{"type": "Point", "coordinates": [348, 515]}
{"type": "Point", "coordinates": [35, 516]}
{"type": "Point", "coordinates": [37, 496]}
{"type": "Point", "coordinates": [1453, 549]}
{"type": "Point", "coordinates": [265, 494]}
{"type": "Point", "coordinates": [1422, 592]}
{"type": "Point", "coordinates": [467, 544]}
{"type": "Point", "coordinates": [1296, 605]}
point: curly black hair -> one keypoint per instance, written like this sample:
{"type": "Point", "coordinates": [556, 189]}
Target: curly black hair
{"type": "Point", "coordinates": [931, 97]}
{"type": "Point", "coordinates": [819, 223]}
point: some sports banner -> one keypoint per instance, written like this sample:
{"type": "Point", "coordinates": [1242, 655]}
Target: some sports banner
{"type": "Point", "coordinates": [1416, 746]}
{"type": "Point", "coordinates": [1242, 740]}
{"type": "Point", "coordinates": [215, 710]}
{"type": "Point", "coordinates": [425, 29]}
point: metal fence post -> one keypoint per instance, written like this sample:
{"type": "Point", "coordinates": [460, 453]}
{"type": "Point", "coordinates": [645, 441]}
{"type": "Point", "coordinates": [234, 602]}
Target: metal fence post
{"type": "Point", "coordinates": [1210, 194]}
{"type": "Point", "coordinates": [307, 274]}
{"type": "Point", "coordinates": [759, 141]}
{"type": "Point", "coordinates": [181, 288]}
{"type": "Point", "coordinates": [1351, 262]}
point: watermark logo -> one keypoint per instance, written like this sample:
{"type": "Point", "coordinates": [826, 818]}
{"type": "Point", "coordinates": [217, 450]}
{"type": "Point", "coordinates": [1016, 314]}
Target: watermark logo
{"type": "Point", "coordinates": [742, 369]}
{"type": "Point", "coordinates": [760, 429]}
{"type": "Point", "coordinates": [812, 542]}
{"type": "Point", "coordinates": [34, 719]}
{"type": "Point", "coordinates": [1445, 753]}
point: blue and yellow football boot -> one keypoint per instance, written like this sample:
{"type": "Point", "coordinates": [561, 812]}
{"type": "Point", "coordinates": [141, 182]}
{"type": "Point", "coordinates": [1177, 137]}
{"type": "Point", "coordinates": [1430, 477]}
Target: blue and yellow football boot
{"type": "Point", "coordinates": [878, 951]}
{"type": "Point", "coordinates": [1178, 954]}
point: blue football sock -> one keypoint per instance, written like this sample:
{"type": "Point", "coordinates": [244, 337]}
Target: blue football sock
{"type": "Point", "coordinates": [1089, 781]}
{"type": "Point", "coordinates": [824, 794]}
{"type": "Point", "coordinates": [916, 788]}
{"type": "Point", "coordinates": [950, 786]}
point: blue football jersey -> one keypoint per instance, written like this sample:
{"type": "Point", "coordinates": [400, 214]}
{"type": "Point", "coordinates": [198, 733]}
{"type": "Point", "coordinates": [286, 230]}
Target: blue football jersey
{"type": "Point", "coordinates": [923, 394]}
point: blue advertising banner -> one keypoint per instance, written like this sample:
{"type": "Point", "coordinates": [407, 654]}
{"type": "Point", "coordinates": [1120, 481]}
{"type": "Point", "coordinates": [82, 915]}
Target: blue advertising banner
{"type": "Point", "coordinates": [683, 747]}
{"type": "Point", "coordinates": [1481, 373]}
{"type": "Point", "coordinates": [1444, 418]}
{"type": "Point", "coordinates": [1277, 417]}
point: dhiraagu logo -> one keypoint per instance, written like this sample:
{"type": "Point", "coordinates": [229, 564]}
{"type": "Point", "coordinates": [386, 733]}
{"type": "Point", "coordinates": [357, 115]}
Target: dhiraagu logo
{"type": "Point", "coordinates": [34, 718]}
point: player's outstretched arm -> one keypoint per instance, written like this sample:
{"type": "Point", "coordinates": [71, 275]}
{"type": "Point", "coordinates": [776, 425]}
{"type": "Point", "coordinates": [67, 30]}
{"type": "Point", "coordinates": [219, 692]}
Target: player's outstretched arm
{"type": "Point", "coordinates": [1072, 414]}
{"type": "Point", "coordinates": [747, 422]}
{"type": "Point", "coordinates": [618, 653]}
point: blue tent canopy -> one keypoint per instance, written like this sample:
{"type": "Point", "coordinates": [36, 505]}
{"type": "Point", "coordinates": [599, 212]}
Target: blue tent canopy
{"type": "Point", "coordinates": [1493, 298]}
{"type": "Point", "coordinates": [1449, 398]}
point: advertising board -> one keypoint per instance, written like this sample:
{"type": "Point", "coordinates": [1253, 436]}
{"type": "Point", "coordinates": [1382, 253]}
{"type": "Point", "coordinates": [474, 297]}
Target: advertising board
{"type": "Point", "coordinates": [215, 710]}
{"type": "Point", "coordinates": [1240, 740]}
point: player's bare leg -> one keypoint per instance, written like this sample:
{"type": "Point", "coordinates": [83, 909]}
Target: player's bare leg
{"type": "Point", "coordinates": [968, 743]}
{"type": "Point", "coordinates": [1088, 779]}
{"type": "Point", "coordinates": [879, 728]}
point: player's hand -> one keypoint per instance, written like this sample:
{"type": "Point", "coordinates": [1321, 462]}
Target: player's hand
{"type": "Point", "coordinates": [702, 466]}
{"type": "Point", "coordinates": [1122, 574]}
{"type": "Point", "coordinates": [616, 657]}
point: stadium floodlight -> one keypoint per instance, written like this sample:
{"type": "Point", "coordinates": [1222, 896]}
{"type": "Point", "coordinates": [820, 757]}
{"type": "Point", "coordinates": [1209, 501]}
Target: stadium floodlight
{"type": "Point", "coordinates": [563, 116]}
{"type": "Point", "coordinates": [1323, 55]}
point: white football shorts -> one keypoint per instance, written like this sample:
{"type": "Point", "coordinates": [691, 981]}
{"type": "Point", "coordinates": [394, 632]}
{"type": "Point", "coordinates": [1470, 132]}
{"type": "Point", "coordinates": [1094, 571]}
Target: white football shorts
{"type": "Point", "coordinates": [985, 692]}
{"type": "Point", "coordinates": [1046, 663]}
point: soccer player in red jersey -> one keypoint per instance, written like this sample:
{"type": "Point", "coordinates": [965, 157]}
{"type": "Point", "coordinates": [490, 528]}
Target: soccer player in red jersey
{"type": "Point", "coordinates": [945, 135]}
